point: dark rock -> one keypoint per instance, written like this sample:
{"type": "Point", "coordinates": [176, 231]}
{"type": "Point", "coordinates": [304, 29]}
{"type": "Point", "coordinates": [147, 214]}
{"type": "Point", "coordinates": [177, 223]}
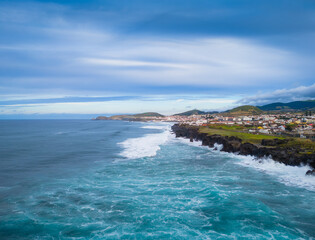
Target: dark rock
{"type": "Point", "coordinates": [310, 173]}
{"type": "Point", "coordinates": [248, 149]}
{"type": "Point", "coordinates": [287, 155]}
{"type": "Point", "coordinates": [273, 142]}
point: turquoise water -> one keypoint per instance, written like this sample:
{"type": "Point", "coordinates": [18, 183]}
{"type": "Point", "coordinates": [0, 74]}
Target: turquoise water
{"type": "Point", "coordinates": [78, 179]}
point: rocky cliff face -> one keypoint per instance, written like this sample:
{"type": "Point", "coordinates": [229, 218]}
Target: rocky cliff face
{"type": "Point", "coordinates": [288, 156]}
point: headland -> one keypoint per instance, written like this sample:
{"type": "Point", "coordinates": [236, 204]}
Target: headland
{"type": "Point", "coordinates": [289, 151]}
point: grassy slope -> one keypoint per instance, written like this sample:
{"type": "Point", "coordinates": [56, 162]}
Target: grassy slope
{"type": "Point", "coordinates": [148, 114]}
{"type": "Point", "coordinates": [303, 145]}
{"type": "Point", "coordinates": [246, 137]}
{"type": "Point", "coordinates": [189, 113]}
{"type": "Point", "coordinates": [243, 111]}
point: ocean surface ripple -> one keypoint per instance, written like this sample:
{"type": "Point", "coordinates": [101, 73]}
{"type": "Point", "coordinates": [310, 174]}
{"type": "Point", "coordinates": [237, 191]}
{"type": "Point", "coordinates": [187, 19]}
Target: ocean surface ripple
{"type": "Point", "coordinates": [78, 179]}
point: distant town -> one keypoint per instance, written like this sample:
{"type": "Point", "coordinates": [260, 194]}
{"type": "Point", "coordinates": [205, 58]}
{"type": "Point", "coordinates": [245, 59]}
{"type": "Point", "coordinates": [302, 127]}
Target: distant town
{"type": "Point", "coordinates": [248, 119]}
{"type": "Point", "coordinates": [288, 124]}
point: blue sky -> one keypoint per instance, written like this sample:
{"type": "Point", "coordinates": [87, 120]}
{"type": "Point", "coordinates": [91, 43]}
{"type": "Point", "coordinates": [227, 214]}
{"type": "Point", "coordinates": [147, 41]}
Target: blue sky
{"type": "Point", "coordinates": [117, 56]}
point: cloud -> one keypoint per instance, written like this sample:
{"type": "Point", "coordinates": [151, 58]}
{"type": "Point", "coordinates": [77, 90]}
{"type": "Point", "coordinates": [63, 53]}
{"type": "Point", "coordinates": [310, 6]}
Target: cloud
{"type": "Point", "coordinates": [116, 105]}
{"type": "Point", "coordinates": [131, 63]}
{"type": "Point", "coordinates": [69, 47]}
{"type": "Point", "coordinates": [205, 62]}
{"type": "Point", "coordinates": [138, 64]}
{"type": "Point", "coordinates": [25, 102]}
{"type": "Point", "coordinates": [281, 95]}
{"type": "Point", "coordinates": [151, 48]}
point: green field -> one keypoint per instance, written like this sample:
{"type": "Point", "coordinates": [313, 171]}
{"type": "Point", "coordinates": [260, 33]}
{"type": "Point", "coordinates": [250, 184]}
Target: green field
{"type": "Point", "coordinates": [228, 127]}
{"type": "Point", "coordinates": [305, 146]}
{"type": "Point", "coordinates": [229, 131]}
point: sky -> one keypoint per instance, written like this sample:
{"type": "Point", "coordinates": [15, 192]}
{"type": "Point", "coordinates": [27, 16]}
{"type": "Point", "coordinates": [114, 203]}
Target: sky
{"type": "Point", "coordinates": [104, 57]}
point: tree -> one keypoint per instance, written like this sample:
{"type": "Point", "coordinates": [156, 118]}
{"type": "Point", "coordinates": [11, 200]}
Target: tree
{"type": "Point", "coordinates": [289, 127]}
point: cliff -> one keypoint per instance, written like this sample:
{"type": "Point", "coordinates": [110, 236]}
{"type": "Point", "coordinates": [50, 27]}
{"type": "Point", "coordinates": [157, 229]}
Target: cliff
{"type": "Point", "coordinates": [274, 148]}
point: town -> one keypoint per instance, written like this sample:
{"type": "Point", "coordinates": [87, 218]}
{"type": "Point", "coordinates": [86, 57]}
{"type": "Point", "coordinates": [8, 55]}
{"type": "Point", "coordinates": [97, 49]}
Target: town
{"type": "Point", "coordinates": [286, 124]}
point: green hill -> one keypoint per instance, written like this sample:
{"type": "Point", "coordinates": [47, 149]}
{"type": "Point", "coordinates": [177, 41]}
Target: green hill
{"type": "Point", "coordinates": [245, 110]}
{"type": "Point", "coordinates": [134, 117]}
{"type": "Point", "coordinates": [290, 107]}
{"type": "Point", "coordinates": [191, 112]}
{"type": "Point", "coordinates": [148, 114]}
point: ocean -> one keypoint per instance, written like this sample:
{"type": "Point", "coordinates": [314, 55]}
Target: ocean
{"type": "Point", "coordinates": [84, 179]}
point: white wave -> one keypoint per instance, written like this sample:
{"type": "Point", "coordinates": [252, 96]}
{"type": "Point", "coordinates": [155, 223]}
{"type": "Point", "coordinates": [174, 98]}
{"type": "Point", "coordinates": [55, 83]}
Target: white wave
{"type": "Point", "coordinates": [218, 147]}
{"type": "Point", "coordinates": [159, 125]}
{"type": "Point", "coordinates": [289, 175]}
{"type": "Point", "coordinates": [153, 127]}
{"type": "Point", "coordinates": [146, 146]}
{"type": "Point", "coordinates": [187, 141]}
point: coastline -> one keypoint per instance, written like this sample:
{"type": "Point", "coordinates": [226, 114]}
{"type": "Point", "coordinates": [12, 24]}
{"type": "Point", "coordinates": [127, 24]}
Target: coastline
{"type": "Point", "coordinates": [287, 156]}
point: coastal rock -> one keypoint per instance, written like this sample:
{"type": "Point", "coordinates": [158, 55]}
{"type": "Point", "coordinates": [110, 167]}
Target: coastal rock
{"type": "Point", "coordinates": [273, 142]}
{"type": "Point", "coordinates": [310, 173]}
{"type": "Point", "coordinates": [231, 144]}
{"type": "Point", "coordinates": [268, 148]}
{"type": "Point", "coordinates": [248, 149]}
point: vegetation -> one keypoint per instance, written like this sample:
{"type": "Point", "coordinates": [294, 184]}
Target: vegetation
{"type": "Point", "coordinates": [290, 127]}
{"type": "Point", "coordinates": [130, 117]}
{"type": "Point", "coordinates": [290, 107]}
{"type": "Point", "coordinates": [246, 137]}
{"type": "Point", "coordinates": [228, 127]}
{"type": "Point", "coordinates": [297, 106]}
{"type": "Point", "coordinates": [308, 113]}
{"type": "Point", "coordinates": [191, 112]}
{"type": "Point", "coordinates": [245, 110]}
{"type": "Point", "coordinates": [148, 114]}
{"type": "Point", "coordinates": [304, 145]}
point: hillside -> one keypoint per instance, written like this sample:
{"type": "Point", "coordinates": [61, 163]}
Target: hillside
{"type": "Point", "coordinates": [290, 107]}
{"type": "Point", "coordinates": [245, 110]}
{"type": "Point", "coordinates": [191, 112]}
{"type": "Point", "coordinates": [148, 114]}
{"type": "Point", "coordinates": [134, 117]}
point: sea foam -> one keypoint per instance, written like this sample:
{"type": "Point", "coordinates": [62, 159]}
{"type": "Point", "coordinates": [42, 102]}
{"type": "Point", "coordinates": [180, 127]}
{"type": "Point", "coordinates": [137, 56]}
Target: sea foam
{"type": "Point", "coordinates": [288, 175]}
{"type": "Point", "coordinates": [146, 146]}
{"type": "Point", "coordinates": [154, 127]}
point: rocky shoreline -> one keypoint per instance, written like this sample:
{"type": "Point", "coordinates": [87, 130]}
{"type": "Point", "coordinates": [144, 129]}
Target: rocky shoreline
{"type": "Point", "coordinates": [267, 148]}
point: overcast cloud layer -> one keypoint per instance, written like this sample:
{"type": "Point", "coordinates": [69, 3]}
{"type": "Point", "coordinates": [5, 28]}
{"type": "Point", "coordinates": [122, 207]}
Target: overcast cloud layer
{"type": "Point", "coordinates": [168, 56]}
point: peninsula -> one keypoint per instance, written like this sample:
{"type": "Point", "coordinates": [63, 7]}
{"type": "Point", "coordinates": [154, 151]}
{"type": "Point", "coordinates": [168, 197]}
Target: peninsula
{"type": "Point", "coordinates": [290, 151]}
{"type": "Point", "coordinates": [147, 116]}
{"type": "Point", "coordinates": [283, 131]}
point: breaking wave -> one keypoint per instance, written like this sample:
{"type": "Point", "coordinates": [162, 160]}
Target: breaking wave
{"type": "Point", "coordinates": [146, 146]}
{"type": "Point", "coordinates": [288, 175]}
{"type": "Point", "coordinates": [154, 127]}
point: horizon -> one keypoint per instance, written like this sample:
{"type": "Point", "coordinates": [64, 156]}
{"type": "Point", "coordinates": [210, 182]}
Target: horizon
{"type": "Point", "coordinates": [84, 58]}
{"type": "Point", "coordinates": [67, 116]}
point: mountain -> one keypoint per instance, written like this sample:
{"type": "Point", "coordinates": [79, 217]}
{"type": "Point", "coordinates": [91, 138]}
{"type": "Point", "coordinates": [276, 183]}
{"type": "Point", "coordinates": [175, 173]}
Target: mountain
{"type": "Point", "coordinates": [191, 112]}
{"type": "Point", "coordinates": [134, 117]}
{"type": "Point", "coordinates": [245, 110]}
{"type": "Point", "coordinates": [149, 114]}
{"type": "Point", "coordinates": [297, 106]}
{"type": "Point", "coordinates": [290, 107]}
